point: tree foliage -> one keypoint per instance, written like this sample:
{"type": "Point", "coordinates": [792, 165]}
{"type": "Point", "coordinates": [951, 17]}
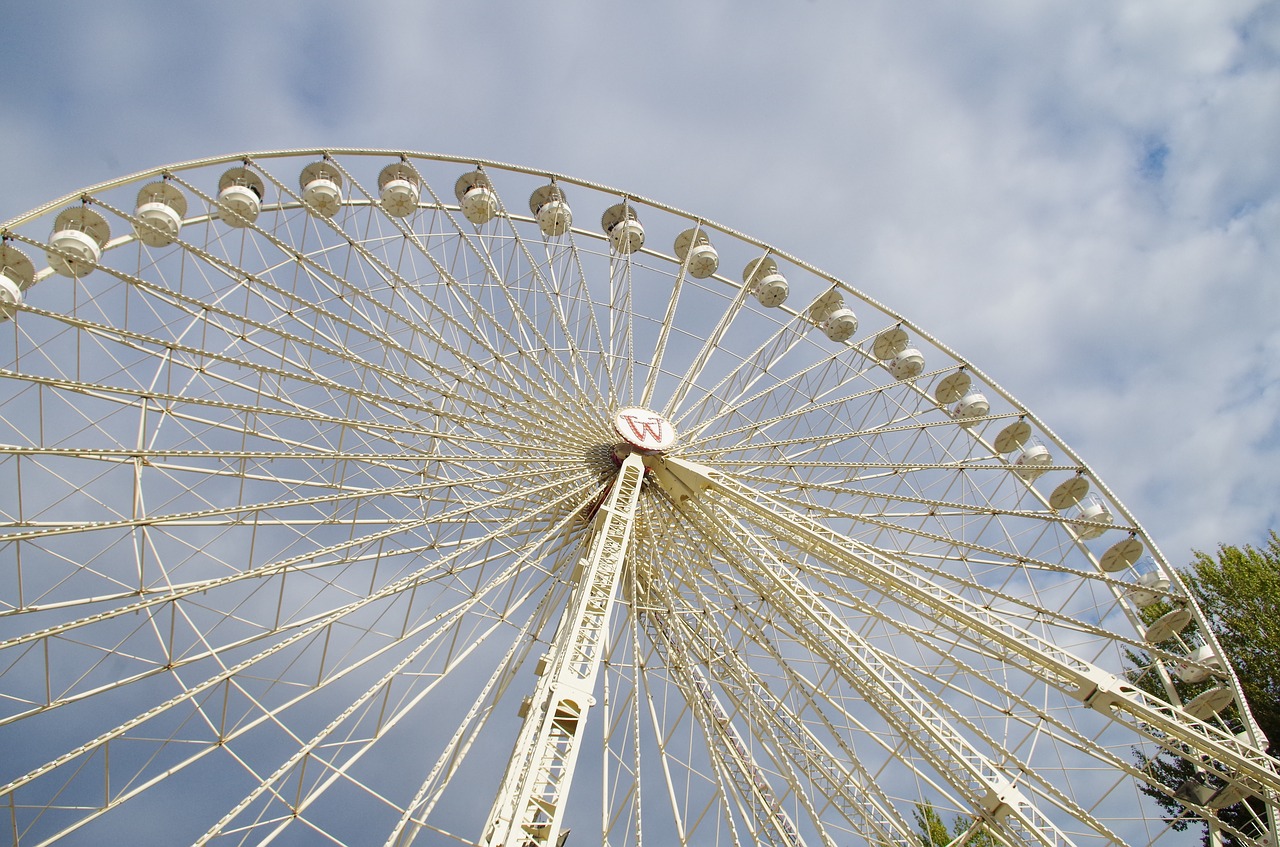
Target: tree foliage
{"type": "Point", "coordinates": [1238, 589]}
{"type": "Point", "coordinates": [933, 831]}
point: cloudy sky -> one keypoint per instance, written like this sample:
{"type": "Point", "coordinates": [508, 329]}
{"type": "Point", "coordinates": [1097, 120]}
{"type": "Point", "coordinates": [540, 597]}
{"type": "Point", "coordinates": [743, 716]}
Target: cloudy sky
{"type": "Point", "coordinates": [1083, 198]}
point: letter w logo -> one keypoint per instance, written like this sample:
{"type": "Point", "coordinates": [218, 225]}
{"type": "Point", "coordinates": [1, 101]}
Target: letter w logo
{"type": "Point", "coordinates": [645, 429]}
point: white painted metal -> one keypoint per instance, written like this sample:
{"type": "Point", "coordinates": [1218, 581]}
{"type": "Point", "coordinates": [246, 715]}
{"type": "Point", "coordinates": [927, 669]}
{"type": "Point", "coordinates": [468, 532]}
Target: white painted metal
{"type": "Point", "coordinates": [1092, 686]}
{"type": "Point", "coordinates": [476, 197]}
{"type": "Point", "coordinates": [622, 224]}
{"type": "Point", "coordinates": [240, 193]}
{"type": "Point", "coordinates": [79, 234]}
{"type": "Point", "coordinates": [693, 246]}
{"type": "Point", "coordinates": [294, 505]}
{"type": "Point", "coordinates": [322, 188]}
{"type": "Point", "coordinates": [10, 297]}
{"type": "Point", "coordinates": [907, 364]}
{"type": "Point", "coordinates": [972, 405]}
{"type": "Point", "coordinates": [399, 187]}
{"type": "Point", "coordinates": [161, 209]}
{"type": "Point", "coordinates": [765, 281]}
{"type": "Point", "coordinates": [549, 206]}
{"type": "Point", "coordinates": [529, 809]}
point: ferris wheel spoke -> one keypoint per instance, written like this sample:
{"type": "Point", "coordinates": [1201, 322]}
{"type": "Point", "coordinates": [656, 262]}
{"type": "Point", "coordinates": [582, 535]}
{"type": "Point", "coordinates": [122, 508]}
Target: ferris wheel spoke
{"type": "Point", "coordinates": [792, 744]}
{"type": "Point", "coordinates": [336, 350]}
{"type": "Point", "coordinates": [855, 367]}
{"type": "Point", "coordinates": [441, 571]}
{"type": "Point", "coordinates": [171, 404]}
{"type": "Point", "coordinates": [163, 351]}
{"type": "Point", "coordinates": [594, 330]}
{"type": "Point", "coordinates": [1030, 780]}
{"type": "Point", "coordinates": [537, 779]}
{"type": "Point", "coordinates": [305, 482]}
{"type": "Point", "coordinates": [856, 785]}
{"type": "Point", "coordinates": [417, 811]}
{"type": "Point", "coordinates": [1036, 720]}
{"type": "Point", "coordinates": [841, 779]}
{"type": "Point", "coordinates": [708, 409]}
{"type": "Point", "coordinates": [563, 293]}
{"type": "Point", "coordinates": [459, 499]}
{"type": "Point", "coordinates": [442, 626]}
{"type": "Point", "coordinates": [897, 700]}
{"type": "Point", "coordinates": [1093, 686]}
{"type": "Point", "coordinates": [244, 510]}
{"type": "Point", "coordinates": [664, 329]}
{"type": "Point", "coordinates": [937, 507]}
{"type": "Point", "coordinates": [474, 306]}
{"type": "Point", "coordinates": [548, 294]}
{"type": "Point", "coordinates": [223, 737]}
{"type": "Point", "coordinates": [620, 328]}
{"type": "Point", "coordinates": [728, 797]}
{"type": "Point", "coordinates": [535, 338]}
{"type": "Point", "coordinates": [938, 513]}
{"type": "Point", "coordinates": [444, 569]}
{"type": "Point", "coordinates": [174, 464]}
{"type": "Point", "coordinates": [1034, 613]}
{"type": "Point", "coordinates": [770, 822]}
{"type": "Point", "coordinates": [419, 324]}
{"type": "Point", "coordinates": [693, 375]}
{"type": "Point", "coordinates": [750, 435]}
{"type": "Point", "coordinates": [338, 759]}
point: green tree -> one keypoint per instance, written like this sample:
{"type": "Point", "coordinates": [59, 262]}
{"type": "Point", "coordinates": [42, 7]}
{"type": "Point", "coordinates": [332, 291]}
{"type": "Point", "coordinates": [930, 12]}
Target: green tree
{"type": "Point", "coordinates": [933, 831]}
{"type": "Point", "coordinates": [1239, 591]}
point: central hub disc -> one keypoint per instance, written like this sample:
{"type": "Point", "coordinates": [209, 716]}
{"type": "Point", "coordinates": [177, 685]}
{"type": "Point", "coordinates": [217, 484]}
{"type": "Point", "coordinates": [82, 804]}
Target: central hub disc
{"type": "Point", "coordinates": [644, 430]}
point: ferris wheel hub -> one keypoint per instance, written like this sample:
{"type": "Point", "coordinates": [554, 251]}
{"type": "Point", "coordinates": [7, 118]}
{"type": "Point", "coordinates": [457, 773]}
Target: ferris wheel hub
{"type": "Point", "coordinates": [645, 431]}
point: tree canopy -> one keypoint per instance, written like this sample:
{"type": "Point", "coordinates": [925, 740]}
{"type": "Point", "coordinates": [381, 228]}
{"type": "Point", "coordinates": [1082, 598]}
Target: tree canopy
{"type": "Point", "coordinates": [1238, 588]}
{"type": "Point", "coordinates": [933, 831]}
{"type": "Point", "coordinates": [1239, 591]}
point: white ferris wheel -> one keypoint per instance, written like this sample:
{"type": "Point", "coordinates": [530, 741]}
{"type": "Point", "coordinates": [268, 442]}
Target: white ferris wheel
{"type": "Point", "coordinates": [373, 498]}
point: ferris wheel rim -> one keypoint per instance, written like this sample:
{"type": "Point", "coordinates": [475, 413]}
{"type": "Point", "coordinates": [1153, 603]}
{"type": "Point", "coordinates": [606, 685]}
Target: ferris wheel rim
{"type": "Point", "coordinates": [964, 365]}
{"type": "Point", "coordinates": [555, 176]}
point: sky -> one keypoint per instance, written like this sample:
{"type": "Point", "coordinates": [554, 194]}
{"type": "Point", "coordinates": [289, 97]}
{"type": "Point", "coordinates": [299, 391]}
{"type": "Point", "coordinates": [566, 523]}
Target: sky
{"type": "Point", "coordinates": [1082, 198]}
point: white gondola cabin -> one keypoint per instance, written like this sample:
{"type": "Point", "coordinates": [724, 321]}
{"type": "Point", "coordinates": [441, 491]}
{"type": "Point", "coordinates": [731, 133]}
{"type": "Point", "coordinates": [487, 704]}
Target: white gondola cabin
{"type": "Point", "coordinates": [549, 206]}
{"type": "Point", "coordinates": [765, 282]}
{"type": "Point", "coordinates": [1031, 462]}
{"type": "Point", "coordinates": [830, 315]}
{"type": "Point", "coordinates": [972, 406]}
{"type": "Point", "coordinates": [621, 223]}
{"type": "Point", "coordinates": [322, 188]}
{"type": "Point", "coordinates": [79, 234]}
{"type": "Point", "coordinates": [399, 188]}
{"type": "Point", "coordinates": [240, 193]}
{"type": "Point", "coordinates": [1096, 514]}
{"type": "Point", "coordinates": [476, 197]}
{"type": "Point", "coordinates": [160, 210]}
{"type": "Point", "coordinates": [16, 276]}
{"type": "Point", "coordinates": [1150, 589]}
{"type": "Point", "coordinates": [693, 247]}
{"type": "Point", "coordinates": [908, 364]}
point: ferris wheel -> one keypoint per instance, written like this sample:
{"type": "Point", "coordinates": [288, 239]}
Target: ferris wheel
{"type": "Point", "coordinates": [370, 497]}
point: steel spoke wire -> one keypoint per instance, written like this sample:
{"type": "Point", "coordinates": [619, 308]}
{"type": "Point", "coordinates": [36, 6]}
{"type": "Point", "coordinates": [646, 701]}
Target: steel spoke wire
{"type": "Point", "coordinates": [245, 465]}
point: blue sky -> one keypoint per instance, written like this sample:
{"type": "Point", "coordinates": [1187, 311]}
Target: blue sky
{"type": "Point", "coordinates": [1081, 198]}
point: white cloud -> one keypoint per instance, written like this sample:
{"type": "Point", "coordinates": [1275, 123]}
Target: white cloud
{"type": "Point", "coordinates": [1083, 198]}
{"type": "Point", "coordinates": [1080, 198]}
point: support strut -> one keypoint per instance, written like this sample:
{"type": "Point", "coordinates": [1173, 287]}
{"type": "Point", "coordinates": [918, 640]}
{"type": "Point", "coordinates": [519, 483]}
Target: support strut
{"type": "Point", "coordinates": [529, 808]}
